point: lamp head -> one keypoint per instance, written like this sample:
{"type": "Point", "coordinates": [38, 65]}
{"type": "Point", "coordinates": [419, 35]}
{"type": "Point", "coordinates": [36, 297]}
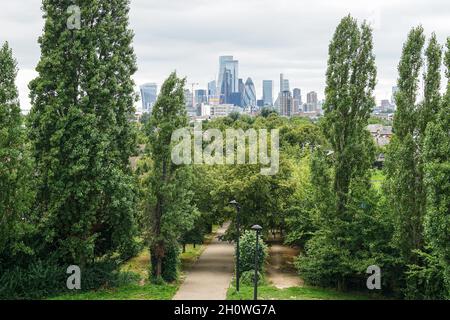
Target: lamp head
{"type": "Point", "coordinates": [257, 227]}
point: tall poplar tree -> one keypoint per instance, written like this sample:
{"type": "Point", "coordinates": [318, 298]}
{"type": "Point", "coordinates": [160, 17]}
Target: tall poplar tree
{"type": "Point", "coordinates": [349, 100]}
{"type": "Point", "coordinates": [404, 185]}
{"type": "Point", "coordinates": [14, 166]}
{"type": "Point", "coordinates": [337, 252]}
{"type": "Point", "coordinates": [437, 181]}
{"type": "Point", "coordinates": [170, 208]}
{"type": "Point", "coordinates": [79, 124]}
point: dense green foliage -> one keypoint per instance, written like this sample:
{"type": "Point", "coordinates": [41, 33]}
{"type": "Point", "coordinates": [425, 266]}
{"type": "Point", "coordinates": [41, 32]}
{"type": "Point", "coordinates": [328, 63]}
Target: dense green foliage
{"type": "Point", "coordinates": [15, 186]}
{"type": "Point", "coordinates": [343, 206]}
{"type": "Point", "coordinates": [247, 247]}
{"type": "Point", "coordinates": [404, 184]}
{"type": "Point", "coordinates": [169, 208]}
{"type": "Point", "coordinates": [417, 170]}
{"type": "Point", "coordinates": [81, 136]}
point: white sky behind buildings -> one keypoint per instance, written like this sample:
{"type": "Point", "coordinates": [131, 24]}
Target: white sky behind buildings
{"type": "Point", "coordinates": [268, 37]}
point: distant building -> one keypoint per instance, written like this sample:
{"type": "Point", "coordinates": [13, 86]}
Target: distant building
{"type": "Point", "coordinates": [268, 92]}
{"type": "Point", "coordinates": [260, 103]}
{"type": "Point", "coordinates": [286, 103]}
{"type": "Point", "coordinates": [386, 105]}
{"type": "Point", "coordinates": [221, 110]}
{"type": "Point", "coordinates": [201, 96]}
{"type": "Point", "coordinates": [249, 97]}
{"type": "Point", "coordinates": [212, 88]}
{"type": "Point", "coordinates": [228, 81]}
{"type": "Point", "coordinates": [312, 97]}
{"type": "Point", "coordinates": [188, 98]}
{"type": "Point", "coordinates": [226, 88]}
{"type": "Point", "coordinates": [149, 95]}
{"type": "Point", "coordinates": [205, 110]}
{"type": "Point", "coordinates": [241, 88]}
{"type": "Point", "coordinates": [297, 94]}
{"type": "Point", "coordinates": [297, 101]}
{"type": "Point", "coordinates": [311, 101]}
{"type": "Point", "coordinates": [284, 84]}
{"type": "Point", "coordinates": [381, 134]}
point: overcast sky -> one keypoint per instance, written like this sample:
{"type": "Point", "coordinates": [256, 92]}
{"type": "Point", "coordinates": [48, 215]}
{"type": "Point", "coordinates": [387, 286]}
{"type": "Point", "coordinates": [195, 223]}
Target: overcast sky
{"type": "Point", "coordinates": [266, 36]}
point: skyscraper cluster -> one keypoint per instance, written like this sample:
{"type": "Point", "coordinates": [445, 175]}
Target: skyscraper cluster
{"type": "Point", "coordinates": [229, 89]}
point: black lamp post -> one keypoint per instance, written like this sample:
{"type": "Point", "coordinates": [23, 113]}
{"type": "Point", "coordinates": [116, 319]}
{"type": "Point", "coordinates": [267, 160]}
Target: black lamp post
{"type": "Point", "coordinates": [257, 228]}
{"type": "Point", "coordinates": [238, 209]}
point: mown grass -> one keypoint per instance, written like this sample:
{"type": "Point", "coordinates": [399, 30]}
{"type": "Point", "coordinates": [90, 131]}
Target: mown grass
{"type": "Point", "coordinates": [267, 292]}
{"type": "Point", "coordinates": [127, 292]}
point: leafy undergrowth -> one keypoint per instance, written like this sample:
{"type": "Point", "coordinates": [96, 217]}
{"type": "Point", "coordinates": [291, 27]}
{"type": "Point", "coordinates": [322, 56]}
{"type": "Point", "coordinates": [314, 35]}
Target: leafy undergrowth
{"type": "Point", "coordinates": [139, 288]}
{"type": "Point", "coordinates": [267, 292]}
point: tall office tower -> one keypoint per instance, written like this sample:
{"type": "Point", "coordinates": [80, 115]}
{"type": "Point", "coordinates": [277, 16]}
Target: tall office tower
{"type": "Point", "coordinates": [249, 95]}
{"type": "Point", "coordinates": [227, 87]}
{"type": "Point", "coordinates": [311, 100]}
{"type": "Point", "coordinates": [241, 92]}
{"type": "Point", "coordinates": [284, 83]}
{"type": "Point", "coordinates": [212, 88]}
{"type": "Point", "coordinates": [312, 97]}
{"type": "Point", "coordinates": [297, 94]}
{"type": "Point", "coordinates": [201, 96]}
{"type": "Point", "coordinates": [281, 83]}
{"type": "Point", "coordinates": [268, 92]}
{"type": "Point", "coordinates": [228, 65]}
{"type": "Point", "coordinates": [286, 105]}
{"type": "Point", "coordinates": [148, 95]}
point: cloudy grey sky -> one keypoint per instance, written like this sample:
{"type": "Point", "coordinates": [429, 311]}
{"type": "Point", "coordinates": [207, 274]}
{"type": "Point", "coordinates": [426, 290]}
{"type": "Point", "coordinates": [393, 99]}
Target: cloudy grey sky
{"type": "Point", "coordinates": [266, 36]}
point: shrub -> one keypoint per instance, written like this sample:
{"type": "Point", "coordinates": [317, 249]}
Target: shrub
{"type": "Point", "coordinates": [42, 279]}
{"type": "Point", "coordinates": [426, 281]}
{"type": "Point", "coordinates": [247, 278]}
{"type": "Point", "coordinates": [247, 252]}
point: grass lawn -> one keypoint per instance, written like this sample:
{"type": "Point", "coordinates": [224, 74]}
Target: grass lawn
{"type": "Point", "coordinates": [142, 290]}
{"type": "Point", "coordinates": [267, 292]}
{"type": "Point", "coordinates": [377, 178]}
{"type": "Point", "coordinates": [127, 292]}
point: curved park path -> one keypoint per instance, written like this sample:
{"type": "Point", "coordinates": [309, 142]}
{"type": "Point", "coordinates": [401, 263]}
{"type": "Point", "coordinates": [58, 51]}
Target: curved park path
{"type": "Point", "coordinates": [210, 276]}
{"type": "Point", "coordinates": [280, 268]}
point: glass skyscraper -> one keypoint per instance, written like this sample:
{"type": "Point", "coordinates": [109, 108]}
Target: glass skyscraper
{"type": "Point", "coordinates": [284, 84]}
{"type": "Point", "coordinates": [268, 92]}
{"type": "Point", "coordinates": [228, 81]}
{"type": "Point", "coordinates": [149, 94]}
{"type": "Point", "coordinates": [249, 95]}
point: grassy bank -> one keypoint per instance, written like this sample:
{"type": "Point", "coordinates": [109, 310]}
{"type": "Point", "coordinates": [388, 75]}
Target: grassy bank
{"type": "Point", "coordinates": [267, 292]}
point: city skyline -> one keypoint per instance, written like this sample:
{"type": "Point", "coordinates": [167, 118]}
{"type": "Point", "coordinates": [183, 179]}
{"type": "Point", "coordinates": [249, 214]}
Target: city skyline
{"type": "Point", "coordinates": [188, 37]}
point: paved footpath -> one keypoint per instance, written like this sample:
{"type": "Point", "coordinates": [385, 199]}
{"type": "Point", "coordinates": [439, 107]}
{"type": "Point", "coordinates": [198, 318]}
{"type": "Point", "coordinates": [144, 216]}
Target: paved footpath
{"type": "Point", "coordinates": [210, 276]}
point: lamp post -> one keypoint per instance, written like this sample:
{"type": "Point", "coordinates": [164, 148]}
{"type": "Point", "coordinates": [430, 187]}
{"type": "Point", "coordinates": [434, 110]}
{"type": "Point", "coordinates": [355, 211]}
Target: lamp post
{"type": "Point", "coordinates": [257, 228]}
{"type": "Point", "coordinates": [238, 209]}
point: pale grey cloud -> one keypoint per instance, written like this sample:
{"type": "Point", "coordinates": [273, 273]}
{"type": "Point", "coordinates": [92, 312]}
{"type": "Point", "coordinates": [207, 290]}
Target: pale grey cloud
{"type": "Point", "coordinates": [266, 36]}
